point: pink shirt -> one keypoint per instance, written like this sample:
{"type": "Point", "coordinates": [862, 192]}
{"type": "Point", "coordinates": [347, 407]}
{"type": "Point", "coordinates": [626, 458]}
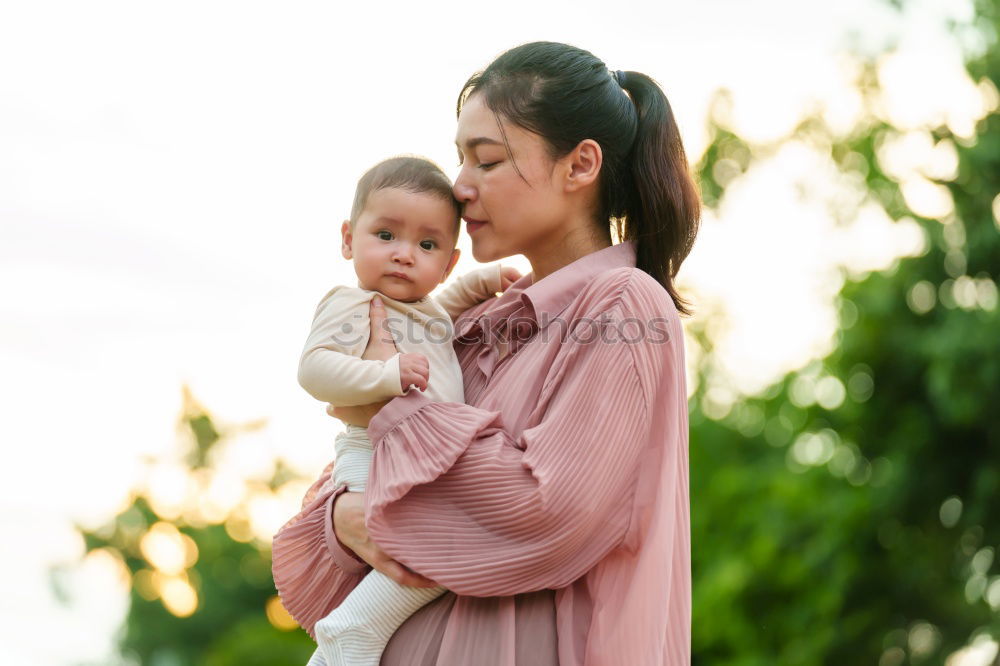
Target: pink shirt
{"type": "Point", "coordinates": [553, 506]}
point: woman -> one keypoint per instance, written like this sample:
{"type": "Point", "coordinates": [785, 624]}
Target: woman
{"type": "Point", "coordinates": [554, 505]}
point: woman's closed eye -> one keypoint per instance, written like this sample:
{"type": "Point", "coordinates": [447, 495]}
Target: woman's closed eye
{"type": "Point", "coordinates": [486, 166]}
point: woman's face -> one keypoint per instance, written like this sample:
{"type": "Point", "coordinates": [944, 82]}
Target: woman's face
{"type": "Point", "coordinates": [506, 214]}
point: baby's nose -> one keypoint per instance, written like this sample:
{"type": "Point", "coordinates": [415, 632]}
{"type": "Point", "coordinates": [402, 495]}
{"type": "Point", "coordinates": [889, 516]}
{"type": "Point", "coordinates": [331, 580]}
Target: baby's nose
{"type": "Point", "coordinates": [403, 256]}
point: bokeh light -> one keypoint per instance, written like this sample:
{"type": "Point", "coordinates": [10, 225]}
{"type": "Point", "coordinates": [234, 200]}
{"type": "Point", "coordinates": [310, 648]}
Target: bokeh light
{"type": "Point", "coordinates": [178, 595]}
{"type": "Point", "coordinates": [278, 616]}
{"type": "Point", "coordinates": [168, 550]}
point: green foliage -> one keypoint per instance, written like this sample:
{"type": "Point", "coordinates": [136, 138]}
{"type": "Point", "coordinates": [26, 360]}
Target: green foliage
{"type": "Point", "coordinates": [232, 579]}
{"type": "Point", "coordinates": [837, 561]}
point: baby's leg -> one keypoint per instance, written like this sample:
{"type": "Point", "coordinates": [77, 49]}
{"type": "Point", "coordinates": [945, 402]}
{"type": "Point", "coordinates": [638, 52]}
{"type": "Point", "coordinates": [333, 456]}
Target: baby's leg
{"type": "Point", "coordinates": [357, 631]}
{"type": "Point", "coordinates": [353, 458]}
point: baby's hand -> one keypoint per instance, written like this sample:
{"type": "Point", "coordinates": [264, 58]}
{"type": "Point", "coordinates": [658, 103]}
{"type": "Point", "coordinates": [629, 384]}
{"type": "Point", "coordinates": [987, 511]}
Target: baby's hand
{"type": "Point", "coordinates": [413, 369]}
{"type": "Point", "coordinates": [508, 276]}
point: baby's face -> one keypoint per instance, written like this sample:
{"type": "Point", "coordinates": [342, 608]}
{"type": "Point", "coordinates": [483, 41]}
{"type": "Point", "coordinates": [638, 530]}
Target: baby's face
{"type": "Point", "coordinates": [403, 243]}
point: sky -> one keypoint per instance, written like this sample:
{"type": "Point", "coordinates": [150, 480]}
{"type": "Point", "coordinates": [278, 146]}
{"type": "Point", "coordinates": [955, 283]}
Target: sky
{"type": "Point", "coordinates": [173, 177]}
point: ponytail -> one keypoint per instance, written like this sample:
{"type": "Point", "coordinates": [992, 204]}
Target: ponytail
{"type": "Point", "coordinates": [663, 213]}
{"type": "Point", "coordinates": [565, 95]}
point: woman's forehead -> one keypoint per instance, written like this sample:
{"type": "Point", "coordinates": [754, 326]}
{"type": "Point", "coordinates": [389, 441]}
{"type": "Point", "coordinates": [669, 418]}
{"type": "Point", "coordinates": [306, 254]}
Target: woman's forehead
{"type": "Point", "coordinates": [478, 124]}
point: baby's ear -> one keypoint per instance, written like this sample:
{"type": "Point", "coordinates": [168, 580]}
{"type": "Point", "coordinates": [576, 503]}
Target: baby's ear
{"type": "Point", "coordinates": [346, 239]}
{"type": "Point", "coordinates": [451, 263]}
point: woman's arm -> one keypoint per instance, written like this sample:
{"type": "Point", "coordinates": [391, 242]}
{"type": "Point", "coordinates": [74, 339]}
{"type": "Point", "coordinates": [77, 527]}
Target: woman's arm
{"type": "Point", "coordinates": [312, 572]}
{"type": "Point", "coordinates": [453, 495]}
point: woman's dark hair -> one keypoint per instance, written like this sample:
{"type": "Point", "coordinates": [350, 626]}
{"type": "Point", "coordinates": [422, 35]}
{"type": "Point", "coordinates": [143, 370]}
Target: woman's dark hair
{"type": "Point", "coordinates": [410, 173]}
{"type": "Point", "coordinates": [566, 95]}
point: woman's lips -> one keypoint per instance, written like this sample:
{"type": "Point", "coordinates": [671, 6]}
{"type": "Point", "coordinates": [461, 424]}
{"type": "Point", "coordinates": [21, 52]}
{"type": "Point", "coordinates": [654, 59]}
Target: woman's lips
{"type": "Point", "coordinates": [471, 225]}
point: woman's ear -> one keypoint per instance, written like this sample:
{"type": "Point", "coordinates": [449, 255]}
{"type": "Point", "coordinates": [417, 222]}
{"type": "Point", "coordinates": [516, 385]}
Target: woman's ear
{"type": "Point", "coordinates": [346, 239]}
{"type": "Point", "coordinates": [583, 165]}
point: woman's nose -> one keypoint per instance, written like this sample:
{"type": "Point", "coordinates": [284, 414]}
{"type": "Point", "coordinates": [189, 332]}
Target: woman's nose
{"type": "Point", "coordinates": [462, 190]}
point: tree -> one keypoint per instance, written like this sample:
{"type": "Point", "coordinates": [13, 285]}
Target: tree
{"type": "Point", "coordinates": [201, 587]}
{"type": "Point", "coordinates": [848, 514]}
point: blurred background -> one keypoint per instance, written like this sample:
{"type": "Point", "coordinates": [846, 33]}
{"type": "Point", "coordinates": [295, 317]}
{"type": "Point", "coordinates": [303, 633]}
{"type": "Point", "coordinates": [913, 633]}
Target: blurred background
{"type": "Point", "coordinates": [172, 179]}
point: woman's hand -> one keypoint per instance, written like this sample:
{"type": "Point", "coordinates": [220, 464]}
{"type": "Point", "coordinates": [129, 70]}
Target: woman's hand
{"type": "Point", "coordinates": [349, 525]}
{"type": "Point", "coordinates": [381, 347]}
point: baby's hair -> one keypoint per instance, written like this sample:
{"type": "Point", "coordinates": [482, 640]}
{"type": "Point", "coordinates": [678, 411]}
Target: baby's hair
{"type": "Point", "coordinates": [413, 174]}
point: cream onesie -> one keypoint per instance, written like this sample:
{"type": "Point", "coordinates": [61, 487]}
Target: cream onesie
{"type": "Point", "coordinates": [332, 371]}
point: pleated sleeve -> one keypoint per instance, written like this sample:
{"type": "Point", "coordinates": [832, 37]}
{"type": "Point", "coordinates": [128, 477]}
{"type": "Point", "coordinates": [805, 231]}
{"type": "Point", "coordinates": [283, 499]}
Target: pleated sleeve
{"type": "Point", "coordinates": [454, 496]}
{"type": "Point", "coordinates": [312, 572]}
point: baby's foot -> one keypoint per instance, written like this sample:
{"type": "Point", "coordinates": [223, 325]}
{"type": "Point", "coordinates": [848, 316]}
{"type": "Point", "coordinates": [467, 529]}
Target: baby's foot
{"type": "Point", "coordinates": [344, 643]}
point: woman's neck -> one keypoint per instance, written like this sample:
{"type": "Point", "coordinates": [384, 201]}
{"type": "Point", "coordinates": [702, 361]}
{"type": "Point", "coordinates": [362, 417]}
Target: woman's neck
{"type": "Point", "coordinates": [565, 250]}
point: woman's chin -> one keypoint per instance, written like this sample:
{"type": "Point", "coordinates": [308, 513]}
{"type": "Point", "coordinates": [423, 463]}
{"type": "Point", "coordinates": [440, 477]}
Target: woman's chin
{"type": "Point", "coordinates": [485, 254]}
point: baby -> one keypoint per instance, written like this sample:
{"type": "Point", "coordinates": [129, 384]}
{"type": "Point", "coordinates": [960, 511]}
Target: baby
{"type": "Point", "coordinates": [401, 238]}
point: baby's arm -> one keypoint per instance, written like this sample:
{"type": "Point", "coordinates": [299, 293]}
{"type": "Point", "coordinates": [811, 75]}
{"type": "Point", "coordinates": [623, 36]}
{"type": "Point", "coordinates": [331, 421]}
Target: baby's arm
{"type": "Point", "coordinates": [414, 369]}
{"type": "Point", "coordinates": [331, 369]}
{"type": "Point", "coordinates": [470, 289]}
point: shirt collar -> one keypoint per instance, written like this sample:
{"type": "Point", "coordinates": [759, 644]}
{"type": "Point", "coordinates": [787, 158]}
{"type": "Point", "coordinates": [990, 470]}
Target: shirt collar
{"type": "Point", "coordinates": [553, 293]}
{"type": "Point", "coordinates": [541, 302]}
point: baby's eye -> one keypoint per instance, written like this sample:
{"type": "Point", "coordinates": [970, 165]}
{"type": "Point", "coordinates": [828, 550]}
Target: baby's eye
{"type": "Point", "coordinates": [384, 235]}
{"type": "Point", "coordinates": [428, 244]}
